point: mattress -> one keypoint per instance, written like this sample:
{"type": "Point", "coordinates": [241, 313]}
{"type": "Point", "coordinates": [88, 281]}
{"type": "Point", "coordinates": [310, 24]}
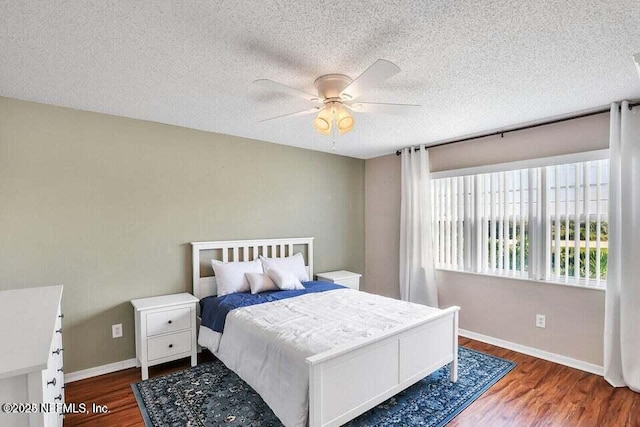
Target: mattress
{"type": "Point", "coordinates": [267, 344]}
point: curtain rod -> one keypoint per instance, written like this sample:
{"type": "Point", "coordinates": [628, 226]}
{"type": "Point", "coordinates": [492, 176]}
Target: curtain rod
{"type": "Point", "coordinates": [502, 132]}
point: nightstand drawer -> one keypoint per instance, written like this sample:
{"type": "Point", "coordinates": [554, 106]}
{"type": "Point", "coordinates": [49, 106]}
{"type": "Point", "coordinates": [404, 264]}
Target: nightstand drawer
{"type": "Point", "coordinates": [169, 345]}
{"type": "Point", "coordinates": [352, 282]}
{"type": "Point", "coordinates": [342, 277]}
{"type": "Point", "coordinates": [168, 321]}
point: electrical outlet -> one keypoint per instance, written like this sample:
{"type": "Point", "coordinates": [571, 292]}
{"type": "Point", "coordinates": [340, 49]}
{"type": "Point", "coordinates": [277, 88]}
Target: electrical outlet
{"type": "Point", "coordinates": [541, 321]}
{"type": "Point", "coordinates": [116, 330]}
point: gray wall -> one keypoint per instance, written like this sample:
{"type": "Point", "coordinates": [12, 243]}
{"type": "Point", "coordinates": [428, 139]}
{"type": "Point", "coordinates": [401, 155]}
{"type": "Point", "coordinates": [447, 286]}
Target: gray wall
{"type": "Point", "coordinates": [506, 308]}
{"type": "Point", "coordinates": [382, 225]}
{"type": "Point", "coordinates": [574, 136]}
{"type": "Point", "coordinates": [107, 207]}
{"type": "Point", "coordinates": [499, 307]}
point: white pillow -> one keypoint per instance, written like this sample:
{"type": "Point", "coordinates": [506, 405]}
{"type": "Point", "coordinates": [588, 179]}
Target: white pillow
{"type": "Point", "coordinates": [230, 276]}
{"type": "Point", "coordinates": [260, 283]}
{"type": "Point", "coordinates": [284, 279]}
{"type": "Point", "coordinates": [294, 264]}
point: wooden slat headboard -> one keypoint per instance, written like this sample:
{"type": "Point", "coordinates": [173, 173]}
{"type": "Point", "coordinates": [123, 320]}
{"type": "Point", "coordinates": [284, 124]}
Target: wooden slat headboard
{"type": "Point", "coordinates": [204, 283]}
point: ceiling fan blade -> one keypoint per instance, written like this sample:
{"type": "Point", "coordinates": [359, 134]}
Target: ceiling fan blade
{"type": "Point", "coordinates": [373, 76]}
{"type": "Point", "coordinates": [297, 113]}
{"type": "Point", "coordinates": [380, 108]}
{"type": "Point", "coordinates": [279, 87]}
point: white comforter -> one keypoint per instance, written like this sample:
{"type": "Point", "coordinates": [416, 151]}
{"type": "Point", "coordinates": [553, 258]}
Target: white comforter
{"type": "Point", "coordinates": [267, 344]}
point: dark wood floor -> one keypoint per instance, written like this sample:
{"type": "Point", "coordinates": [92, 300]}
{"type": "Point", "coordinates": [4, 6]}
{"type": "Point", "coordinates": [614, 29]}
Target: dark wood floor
{"type": "Point", "coordinates": [535, 393]}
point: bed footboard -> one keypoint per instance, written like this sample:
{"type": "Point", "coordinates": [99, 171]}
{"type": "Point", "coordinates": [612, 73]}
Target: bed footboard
{"type": "Point", "coordinates": [347, 381]}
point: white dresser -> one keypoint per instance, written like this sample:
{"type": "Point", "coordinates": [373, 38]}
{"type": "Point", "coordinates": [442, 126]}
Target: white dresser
{"type": "Point", "coordinates": [342, 277]}
{"type": "Point", "coordinates": [31, 370]}
{"type": "Point", "coordinates": [165, 330]}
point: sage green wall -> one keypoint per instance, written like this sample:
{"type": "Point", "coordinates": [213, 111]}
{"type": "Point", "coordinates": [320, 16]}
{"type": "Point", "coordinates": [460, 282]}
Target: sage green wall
{"type": "Point", "coordinates": [107, 207]}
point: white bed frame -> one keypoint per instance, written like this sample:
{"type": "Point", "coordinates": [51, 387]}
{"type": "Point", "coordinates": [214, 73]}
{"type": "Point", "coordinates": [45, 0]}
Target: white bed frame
{"type": "Point", "coordinates": [348, 380]}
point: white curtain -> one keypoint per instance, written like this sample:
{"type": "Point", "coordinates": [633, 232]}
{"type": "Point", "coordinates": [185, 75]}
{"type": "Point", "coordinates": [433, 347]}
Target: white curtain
{"type": "Point", "coordinates": [622, 310]}
{"type": "Point", "coordinates": [417, 274]}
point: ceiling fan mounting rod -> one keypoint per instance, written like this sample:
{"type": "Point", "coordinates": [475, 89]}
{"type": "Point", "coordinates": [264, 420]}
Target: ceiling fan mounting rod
{"type": "Point", "coordinates": [331, 101]}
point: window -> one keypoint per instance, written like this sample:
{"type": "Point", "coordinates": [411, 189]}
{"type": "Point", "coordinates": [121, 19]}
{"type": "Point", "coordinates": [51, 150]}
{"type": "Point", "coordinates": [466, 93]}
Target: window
{"type": "Point", "coordinates": [545, 223]}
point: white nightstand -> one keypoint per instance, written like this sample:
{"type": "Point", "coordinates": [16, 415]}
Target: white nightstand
{"type": "Point", "coordinates": [165, 330]}
{"type": "Point", "coordinates": [342, 277]}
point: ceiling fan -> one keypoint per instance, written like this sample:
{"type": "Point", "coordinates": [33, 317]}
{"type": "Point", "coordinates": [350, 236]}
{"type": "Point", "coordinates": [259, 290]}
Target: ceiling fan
{"type": "Point", "coordinates": [336, 98]}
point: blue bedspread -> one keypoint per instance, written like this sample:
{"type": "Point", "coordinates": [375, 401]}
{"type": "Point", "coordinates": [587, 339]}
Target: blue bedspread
{"type": "Point", "coordinates": [214, 310]}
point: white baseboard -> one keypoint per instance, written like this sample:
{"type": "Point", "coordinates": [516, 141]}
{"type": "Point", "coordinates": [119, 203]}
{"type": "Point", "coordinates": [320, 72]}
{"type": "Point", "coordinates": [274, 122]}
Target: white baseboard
{"type": "Point", "coordinates": [530, 351]}
{"type": "Point", "coordinates": [99, 370]}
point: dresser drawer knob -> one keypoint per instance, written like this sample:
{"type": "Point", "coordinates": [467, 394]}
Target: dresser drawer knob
{"type": "Point", "coordinates": [58, 397]}
{"type": "Point", "coordinates": [170, 345]}
{"type": "Point", "coordinates": [52, 382]}
{"type": "Point", "coordinates": [59, 331]}
{"type": "Point", "coordinates": [61, 369]}
{"type": "Point", "coordinates": [170, 321]}
{"type": "Point", "coordinates": [61, 316]}
{"type": "Point", "coordinates": [57, 351]}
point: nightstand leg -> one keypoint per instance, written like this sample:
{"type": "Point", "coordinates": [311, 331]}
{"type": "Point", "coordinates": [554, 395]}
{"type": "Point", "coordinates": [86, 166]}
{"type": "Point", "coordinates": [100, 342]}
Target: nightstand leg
{"type": "Point", "coordinates": [194, 337]}
{"type": "Point", "coordinates": [145, 371]}
{"type": "Point", "coordinates": [137, 336]}
{"type": "Point", "coordinates": [194, 353]}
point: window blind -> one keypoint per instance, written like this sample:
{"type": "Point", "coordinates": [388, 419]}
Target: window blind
{"type": "Point", "coordinates": [542, 223]}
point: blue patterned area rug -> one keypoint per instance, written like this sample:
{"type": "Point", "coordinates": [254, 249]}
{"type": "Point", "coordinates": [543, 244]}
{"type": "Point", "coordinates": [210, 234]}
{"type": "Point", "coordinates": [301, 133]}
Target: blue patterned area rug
{"type": "Point", "coordinates": [212, 395]}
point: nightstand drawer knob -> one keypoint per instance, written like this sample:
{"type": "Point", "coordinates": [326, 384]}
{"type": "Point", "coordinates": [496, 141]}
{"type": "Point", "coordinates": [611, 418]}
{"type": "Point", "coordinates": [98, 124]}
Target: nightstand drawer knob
{"type": "Point", "coordinates": [57, 351]}
{"type": "Point", "coordinates": [61, 316]}
{"type": "Point", "coordinates": [170, 321]}
{"type": "Point", "coordinates": [59, 331]}
{"type": "Point", "coordinates": [52, 382]}
{"type": "Point", "coordinates": [61, 369]}
{"type": "Point", "coordinates": [170, 345]}
{"type": "Point", "coordinates": [58, 397]}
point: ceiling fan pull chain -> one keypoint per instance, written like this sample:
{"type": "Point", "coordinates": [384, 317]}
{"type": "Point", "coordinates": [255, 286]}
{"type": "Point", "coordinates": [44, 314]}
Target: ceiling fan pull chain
{"type": "Point", "coordinates": [333, 133]}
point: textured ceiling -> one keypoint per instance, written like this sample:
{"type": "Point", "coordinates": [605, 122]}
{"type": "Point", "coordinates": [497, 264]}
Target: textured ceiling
{"type": "Point", "coordinates": [473, 65]}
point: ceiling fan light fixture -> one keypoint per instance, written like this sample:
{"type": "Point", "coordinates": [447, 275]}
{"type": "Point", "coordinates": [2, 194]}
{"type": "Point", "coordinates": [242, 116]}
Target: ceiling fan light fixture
{"type": "Point", "coordinates": [344, 121]}
{"type": "Point", "coordinates": [322, 122]}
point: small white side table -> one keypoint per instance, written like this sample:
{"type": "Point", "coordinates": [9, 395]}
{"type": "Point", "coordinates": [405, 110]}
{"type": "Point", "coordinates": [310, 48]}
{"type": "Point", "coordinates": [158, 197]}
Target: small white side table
{"type": "Point", "coordinates": [165, 330]}
{"type": "Point", "coordinates": [342, 277]}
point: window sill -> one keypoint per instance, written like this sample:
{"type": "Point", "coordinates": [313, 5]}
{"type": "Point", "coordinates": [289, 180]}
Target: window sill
{"type": "Point", "coordinates": [526, 279]}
